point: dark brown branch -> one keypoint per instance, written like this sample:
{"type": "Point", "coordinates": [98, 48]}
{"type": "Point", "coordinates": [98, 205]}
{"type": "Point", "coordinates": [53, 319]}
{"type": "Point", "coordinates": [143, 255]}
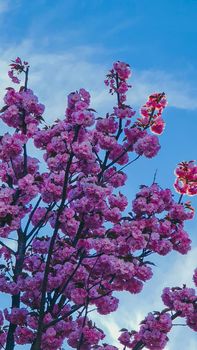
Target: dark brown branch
{"type": "Point", "coordinates": [20, 254]}
{"type": "Point", "coordinates": [31, 214]}
{"type": "Point", "coordinates": [10, 343]}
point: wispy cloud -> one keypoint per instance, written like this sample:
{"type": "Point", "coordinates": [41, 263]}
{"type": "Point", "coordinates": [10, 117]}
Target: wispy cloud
{"type": "Point", "coordinates": [181, 93]}
{"type": "Point", "coordinates": [54, 75]}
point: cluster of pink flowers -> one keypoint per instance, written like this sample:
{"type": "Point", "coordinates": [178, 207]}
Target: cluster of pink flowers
{"type": "Point", "coordinates": [162, 234]}
{"type": "Point", "coordinates": [11, 213]}
{"type": "Point", "coordinates": [17, 67]}
{"type": "Point", "coordinates": [151, 113]}
{"type": "Point", "coordinates": [184, 302]}
{"type": "Point", "coordinates": [22, 111]}
{"type": "Point", "coordinates": [152, 334]}
{"type": "Point", "coordinates": [186, 181]}
{"type": "Point", "coordinates": [76, 244]}
{"type": "Point", "coordinates": [117, 80]}
{"type": "Point", "coordinates": [180, 302]}
{"type": "Point", "coordinates": [17, 316]}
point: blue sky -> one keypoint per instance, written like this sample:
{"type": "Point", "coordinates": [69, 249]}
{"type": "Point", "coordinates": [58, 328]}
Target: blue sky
{"type": "Point", "coordinates": [71, 44]}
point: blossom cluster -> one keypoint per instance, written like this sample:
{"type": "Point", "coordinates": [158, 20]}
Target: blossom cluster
{"type": "Point", "coordinates": [180, 302]}
{"type": "Point", "coordinates": [22, 111]}
{"type": "Point", "coordinates": [17, 67]}
{"type": "Point", "coordinates": [151, 113]}
{"type": "Point", "coordinates": [184, 302]}
{"type": "Point", "coordinates": [153, 332]}
{"type": "Point", "coordinates": [117, 80]}
{"type": "Point", "coordinates": [186, 181]}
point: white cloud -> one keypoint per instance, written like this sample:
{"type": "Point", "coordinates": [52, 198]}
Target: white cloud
{"type": "Point", "coordinates": [180, 93]}
{"type": "Point", "coordinates": [181, 272]}
{"type": "Point", "coordinates": [111, 328]}
{"type": "Point", "coordinates": [54, 75]}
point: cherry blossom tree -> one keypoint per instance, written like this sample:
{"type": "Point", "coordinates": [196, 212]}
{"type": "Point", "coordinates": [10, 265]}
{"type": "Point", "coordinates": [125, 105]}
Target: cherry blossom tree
{"type": "Point", "coordinates": [77, 238]}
